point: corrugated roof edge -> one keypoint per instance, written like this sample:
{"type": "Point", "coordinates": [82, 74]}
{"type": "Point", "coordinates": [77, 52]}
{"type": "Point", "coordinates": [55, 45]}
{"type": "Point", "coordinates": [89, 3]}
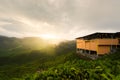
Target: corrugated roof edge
{"type": "Point", "coordinates": [97, 33]}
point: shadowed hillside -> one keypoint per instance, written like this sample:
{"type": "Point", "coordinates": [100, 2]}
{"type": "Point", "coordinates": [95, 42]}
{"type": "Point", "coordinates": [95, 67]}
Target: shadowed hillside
{"type": "Point", "coordinates": [13, 46]}
{"type": "Point", "coordinates": [35, 59]}
{"type": "Point", "coordinates": [74, 68]}
{"type": "Point", "coordinates": [21, 57]}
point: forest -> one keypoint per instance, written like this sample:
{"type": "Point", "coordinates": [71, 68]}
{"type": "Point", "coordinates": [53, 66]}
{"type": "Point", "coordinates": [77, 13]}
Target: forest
{"type": "Point", "coordinates": [33, 58]}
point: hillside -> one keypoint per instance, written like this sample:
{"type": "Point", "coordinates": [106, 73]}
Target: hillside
{"type": "Point", "coordinates": [14, 46]}
{"type": "Point", "coordinates": [74, 68]}
{"type": "Point", "coordinates": [32, 55]}
{"type": "Point", "coordinates": [64, 64]}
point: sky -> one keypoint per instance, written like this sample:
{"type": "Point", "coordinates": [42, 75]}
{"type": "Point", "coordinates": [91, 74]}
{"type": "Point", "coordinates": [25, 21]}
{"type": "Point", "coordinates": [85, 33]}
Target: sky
{"type": "Point", "coordinates": [62, 19]}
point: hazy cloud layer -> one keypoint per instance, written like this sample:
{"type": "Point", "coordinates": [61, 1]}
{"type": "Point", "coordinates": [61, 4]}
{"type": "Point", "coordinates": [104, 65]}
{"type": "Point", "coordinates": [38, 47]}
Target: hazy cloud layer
{"type": "Point", "coordinates": [63, 18]}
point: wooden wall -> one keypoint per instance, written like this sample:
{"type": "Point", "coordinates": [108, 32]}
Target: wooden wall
{"type": "Point", "coordinates": [87, 44]}
{"type": "Point", "coordinates": [103, 50]}
{"type": "Point", "coordinates": [102, 46]}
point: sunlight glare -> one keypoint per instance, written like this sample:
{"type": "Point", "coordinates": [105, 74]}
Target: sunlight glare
{"type": "Point", "coordinates": [49, 36]}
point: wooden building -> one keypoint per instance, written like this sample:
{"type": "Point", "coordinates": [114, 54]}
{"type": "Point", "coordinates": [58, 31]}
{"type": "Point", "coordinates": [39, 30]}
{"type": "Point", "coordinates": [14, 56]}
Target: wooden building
{"type": "Point", "coordinates": [98, 43]}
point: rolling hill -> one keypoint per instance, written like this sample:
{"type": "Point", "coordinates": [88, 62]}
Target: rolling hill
{"type": "Point", "coordinates": [35, 59]}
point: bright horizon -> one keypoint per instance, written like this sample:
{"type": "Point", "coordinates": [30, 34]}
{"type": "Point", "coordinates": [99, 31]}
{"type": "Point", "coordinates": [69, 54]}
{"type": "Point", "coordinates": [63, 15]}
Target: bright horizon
{"type": "Point", "coordinates": [58, 19]}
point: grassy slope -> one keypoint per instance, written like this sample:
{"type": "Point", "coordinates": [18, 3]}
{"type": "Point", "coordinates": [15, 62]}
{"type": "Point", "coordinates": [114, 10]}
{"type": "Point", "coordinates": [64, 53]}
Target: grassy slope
{"type": "Point", "coordinates": [64, 66]}
{"type": "Point", "coordinates": [26, 64]}
{"type": "Point", "coordinates": [73, 68]}
{"type": "Point", "coordinates": [67, 67]}
{"type": "Point", "coordinates": [30, 64]}
{"type": "Point", "coordinates": [27, 60]}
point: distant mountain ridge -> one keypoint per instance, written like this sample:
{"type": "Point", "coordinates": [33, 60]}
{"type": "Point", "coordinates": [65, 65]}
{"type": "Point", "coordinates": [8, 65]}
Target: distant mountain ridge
{"type": "Point", "coordinates": [8, 44]}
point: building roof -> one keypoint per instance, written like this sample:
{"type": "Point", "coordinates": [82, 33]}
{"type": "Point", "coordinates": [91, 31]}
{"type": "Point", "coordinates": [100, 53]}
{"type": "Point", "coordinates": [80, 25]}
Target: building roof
{"type": "Point", "coordinates": [99, 35]}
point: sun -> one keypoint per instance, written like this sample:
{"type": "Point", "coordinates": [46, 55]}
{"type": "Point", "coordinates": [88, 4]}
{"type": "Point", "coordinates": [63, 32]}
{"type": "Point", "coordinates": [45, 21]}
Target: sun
{"type": "Point", "coordinates": [49, 36]}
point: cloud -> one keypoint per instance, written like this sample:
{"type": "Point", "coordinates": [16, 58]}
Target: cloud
{"type": "Point", "coordinates": [65, 18]}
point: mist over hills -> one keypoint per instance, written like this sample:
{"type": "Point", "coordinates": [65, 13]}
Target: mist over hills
{"type": "Point", "coordinates": [33, 58]}
{"type": "Point", "coordinates": [21, 56]}
{"type": "Point", "coordinates": [13, 45]}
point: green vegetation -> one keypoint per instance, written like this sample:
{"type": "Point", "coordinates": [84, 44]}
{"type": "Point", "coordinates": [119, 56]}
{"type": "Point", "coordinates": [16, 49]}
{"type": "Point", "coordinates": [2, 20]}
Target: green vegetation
{"type": "Point", "coordinates": [53, 62]}
{"type": "Point", "coordinates": [73, 68]}
{"type": "Point", "coordinates": [15, 46]}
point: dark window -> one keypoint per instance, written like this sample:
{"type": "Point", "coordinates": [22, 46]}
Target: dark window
{"type": "Point", "coordinates": [119, 41]}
